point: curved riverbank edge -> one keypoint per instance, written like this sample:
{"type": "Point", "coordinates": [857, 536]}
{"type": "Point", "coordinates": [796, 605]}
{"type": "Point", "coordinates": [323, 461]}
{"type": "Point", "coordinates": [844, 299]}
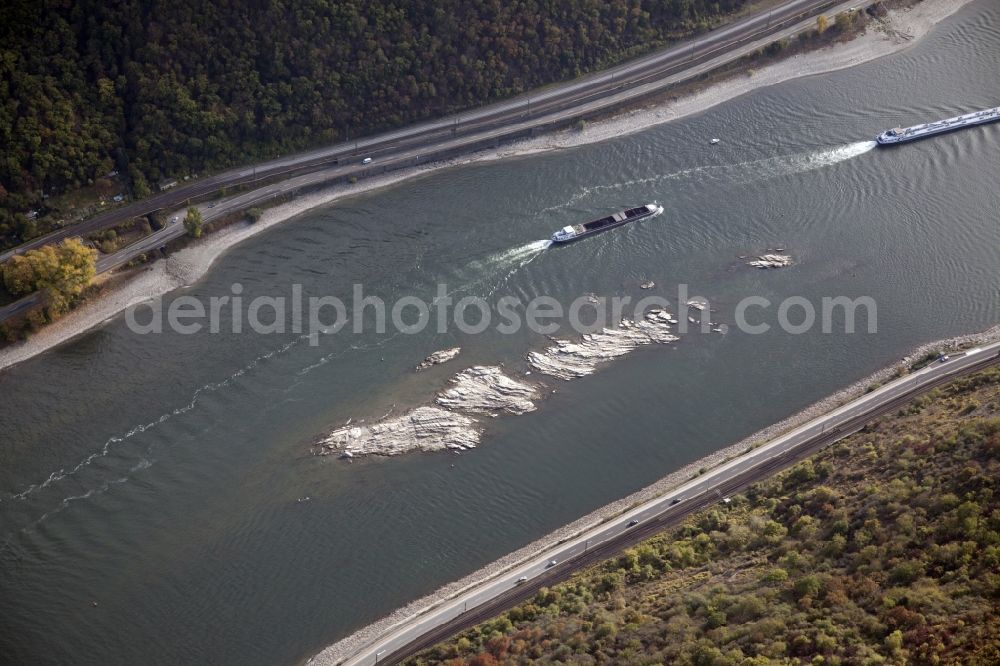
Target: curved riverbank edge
{"type": "Point", "coordinates": [900, 29]}
{"type": "Point", "coordinates": [346, 647]}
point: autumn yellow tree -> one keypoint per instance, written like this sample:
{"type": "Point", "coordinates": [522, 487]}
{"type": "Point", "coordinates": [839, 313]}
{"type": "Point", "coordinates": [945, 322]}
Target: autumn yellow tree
{"type": "Point", "coordinates": [60, 272]}
{"type": "Point", "coordinates": [193, 223]}
{"type": "Point", "coordinates": [821, 24]}
{"type": "Point", "coordinates": [845, 20]}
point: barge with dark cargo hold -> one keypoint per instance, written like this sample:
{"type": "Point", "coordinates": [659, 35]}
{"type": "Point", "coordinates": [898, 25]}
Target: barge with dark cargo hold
{"type": "Point", "coordinates": [905, 134]}
{"type": "Point", "coordinates": [578, 231]}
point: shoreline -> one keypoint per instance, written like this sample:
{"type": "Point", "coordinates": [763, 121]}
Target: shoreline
{"type": "Point", "coordinates": [335, 653]}
{"type": "Point", "coordinates": [188, 265]}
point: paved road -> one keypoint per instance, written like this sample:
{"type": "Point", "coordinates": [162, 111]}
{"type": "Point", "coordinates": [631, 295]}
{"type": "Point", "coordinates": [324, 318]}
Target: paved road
{"type": "Point", "coordinates": [534, 105]}
{"type": "Point", "coordinates": [507, 589]}
{"type": "Point", "coordinates": [19, 306]}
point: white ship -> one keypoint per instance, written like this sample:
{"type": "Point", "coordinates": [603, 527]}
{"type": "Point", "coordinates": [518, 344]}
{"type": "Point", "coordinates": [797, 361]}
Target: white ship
{"type": "Point", "coordinates": [578, 231]}
{"type": "Point", "coordinates": [902, 135]}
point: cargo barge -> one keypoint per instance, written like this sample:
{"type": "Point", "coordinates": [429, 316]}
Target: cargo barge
{"type": "Point", "coordinates": [905, 134]}
{"type": "Point", "coordinates": [578, 231]}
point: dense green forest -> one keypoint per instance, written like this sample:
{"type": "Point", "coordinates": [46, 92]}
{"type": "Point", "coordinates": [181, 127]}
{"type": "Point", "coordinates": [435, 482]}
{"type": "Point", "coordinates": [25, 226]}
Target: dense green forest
{"type": "Point", "coordinates": [884, 549]}
{"type": "Point", "coordinates": [166, 89]}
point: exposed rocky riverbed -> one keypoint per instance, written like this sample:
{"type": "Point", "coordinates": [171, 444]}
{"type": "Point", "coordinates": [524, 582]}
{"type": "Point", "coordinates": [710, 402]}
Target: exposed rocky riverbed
{"type": "Point", "coordinates": [771, 261]}
{"type": "Point", "coordinates": [568, 360]}
{"type": "Point", "coordinates": [450, 424]}
{"type": "Point", "coordinates": [439, 357]}
{"type": "Point", "coordinates": [453, 421]}
{"type": "Point", "coordinates": [487, 390]}
{"type": "Point", "coordinates": [423, 429]}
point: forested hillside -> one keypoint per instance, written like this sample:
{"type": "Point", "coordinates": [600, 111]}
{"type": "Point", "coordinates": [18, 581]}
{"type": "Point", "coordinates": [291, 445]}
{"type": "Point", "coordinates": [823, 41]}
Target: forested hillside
{"type": "Point", "coordinates": [884, 549]}
{"type": "Point", "coordinates": [157, 89]}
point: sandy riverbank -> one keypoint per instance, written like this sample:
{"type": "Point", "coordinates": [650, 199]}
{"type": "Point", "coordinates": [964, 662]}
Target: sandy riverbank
{"type": "Point", "coordinates": [900, 29]}
{"type": "Point", "coordinates": [344, 648]}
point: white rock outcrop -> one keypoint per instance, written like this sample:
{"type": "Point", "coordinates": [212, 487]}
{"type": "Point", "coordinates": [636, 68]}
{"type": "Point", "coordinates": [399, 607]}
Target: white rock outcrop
{"type": "Point", "coordinates": [439, 357]}
{"type": "Point", "coordinates": [422, 429]}
{"type": "Point", "coordinates": [486, 389]}
{"type": "Point", "coordinates": [569, 360]}
{"type": "Point", "coordinates": [771, 261]}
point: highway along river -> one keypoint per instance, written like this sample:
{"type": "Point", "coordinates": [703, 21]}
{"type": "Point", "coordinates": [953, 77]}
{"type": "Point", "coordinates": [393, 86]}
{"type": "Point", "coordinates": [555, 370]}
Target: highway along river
{"type": "Point", "coordinates": [168, 478]}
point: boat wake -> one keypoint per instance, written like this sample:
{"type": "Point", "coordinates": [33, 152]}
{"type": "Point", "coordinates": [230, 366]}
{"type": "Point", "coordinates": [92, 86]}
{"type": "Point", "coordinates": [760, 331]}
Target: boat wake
{"type": "Point", "coordinates": [518, 256]}
{"type": "Point", "coordinates": [601, 190]}
{"type": "Point", "coordinates": [494, 270]}
{"type": "Point", "coordinates": [740, 173]}
{"type": "Point", "coordinates": [786, 165]}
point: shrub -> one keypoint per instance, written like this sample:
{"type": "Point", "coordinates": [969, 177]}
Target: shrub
{"type": "Point", "coordinates": [807, 586]}
{"type": "Point", "coordinates": [775, 575]}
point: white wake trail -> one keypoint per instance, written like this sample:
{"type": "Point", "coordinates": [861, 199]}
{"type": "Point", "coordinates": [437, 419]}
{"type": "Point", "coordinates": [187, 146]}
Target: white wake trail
{"type": "Point", "coordinates": [786, 165]}
{"type": "Point", "coordinates": [740, 173]}
{"type": "Point", "coordinates": [497, 267]}
{"type": "Point", "coordinates": [824, 158]}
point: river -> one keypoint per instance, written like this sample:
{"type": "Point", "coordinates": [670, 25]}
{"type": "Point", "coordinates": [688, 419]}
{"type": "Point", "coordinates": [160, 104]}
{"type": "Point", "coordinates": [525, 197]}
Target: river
{"type": "Point", "coordinates": [168, 478]}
